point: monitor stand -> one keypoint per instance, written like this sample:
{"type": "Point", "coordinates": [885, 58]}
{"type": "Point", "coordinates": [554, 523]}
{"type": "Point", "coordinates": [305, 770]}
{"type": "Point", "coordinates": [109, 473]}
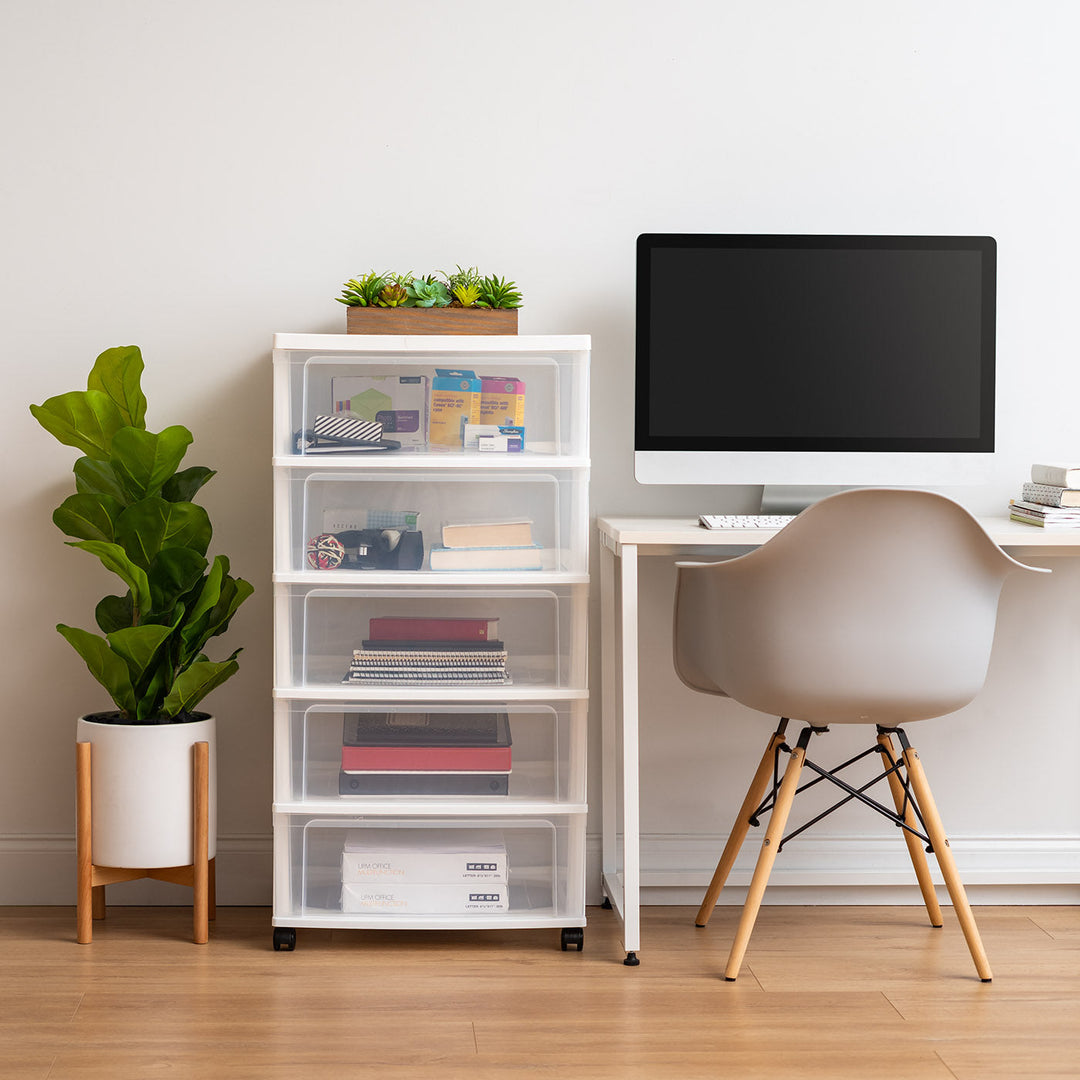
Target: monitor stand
{"type": "Point", "coordinates": [785, 499]}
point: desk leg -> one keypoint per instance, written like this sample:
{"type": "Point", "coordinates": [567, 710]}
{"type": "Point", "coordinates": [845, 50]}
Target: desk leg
{"type": "Point", "coordinates": [608, 713]}
{"type": "Point", "coordinates": [628, 595]}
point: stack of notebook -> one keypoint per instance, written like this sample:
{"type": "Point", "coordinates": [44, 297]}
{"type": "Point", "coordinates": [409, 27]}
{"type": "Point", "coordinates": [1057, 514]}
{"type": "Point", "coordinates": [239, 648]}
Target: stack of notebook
{"type": "Point", "coordinates": [430, 652]}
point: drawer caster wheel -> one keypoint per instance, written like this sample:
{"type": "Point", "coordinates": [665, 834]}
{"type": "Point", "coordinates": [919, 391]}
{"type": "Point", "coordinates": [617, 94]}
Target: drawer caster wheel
{"type": "Point", "coordinates": [284, 938]}
{"type": "Point", "coordinates": [573, 935]}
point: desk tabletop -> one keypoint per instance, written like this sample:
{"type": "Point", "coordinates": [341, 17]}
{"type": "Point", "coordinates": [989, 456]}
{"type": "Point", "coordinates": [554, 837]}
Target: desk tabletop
{"type": "Point", "coordinates": [665, 535]}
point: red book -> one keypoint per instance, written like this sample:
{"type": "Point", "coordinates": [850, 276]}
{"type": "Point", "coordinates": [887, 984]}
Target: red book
{"type": "Point", "coordinates": [425, 758]}
{"type": "Point", "coordinates": [427, 628]}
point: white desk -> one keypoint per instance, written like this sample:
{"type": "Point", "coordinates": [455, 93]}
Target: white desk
{"type": "Point", "coordinates": [622, 540]}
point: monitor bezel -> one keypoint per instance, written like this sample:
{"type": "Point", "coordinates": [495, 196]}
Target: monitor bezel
{"type": "Point", "coordinates": [983, 443]}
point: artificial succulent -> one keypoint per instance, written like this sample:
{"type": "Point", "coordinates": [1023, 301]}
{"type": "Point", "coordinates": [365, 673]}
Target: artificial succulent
{"type": "Point", "coordinates": [363, 291]}
{"type": "Point", "coordinates": [393, 295]}
{"type": "Point", "coordinates": [427, 292]}
{"type": "Point", "coordinates": [496, 292]}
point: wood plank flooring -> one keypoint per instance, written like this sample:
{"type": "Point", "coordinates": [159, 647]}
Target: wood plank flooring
{"type": "Point", "coordinates": [856, 993]}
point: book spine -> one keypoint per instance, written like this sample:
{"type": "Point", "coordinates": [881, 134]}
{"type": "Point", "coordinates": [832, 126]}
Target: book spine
{"type": "Point", "coordinates": [425, 758]}
{"type": "Point", "coordinates": [480, 783]}
{"type": "Point", "coordinates": [433, 645]}
{"type": "Point", "coordinates": [1056, 475]}
{"type": "Point", "coordinates": [427, 629]}
{"type": "Point", "coordinates": [1050, 495]}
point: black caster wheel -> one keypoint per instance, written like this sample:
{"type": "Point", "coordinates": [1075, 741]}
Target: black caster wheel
{"type": "Point", "coordinates": [284, 939]}
{"type": "Point", "coordinates": [607, 905]}
{"type": "Point", "coordinates": [631, 959]}
{"type": "Point", "coordinates": [573, 935]}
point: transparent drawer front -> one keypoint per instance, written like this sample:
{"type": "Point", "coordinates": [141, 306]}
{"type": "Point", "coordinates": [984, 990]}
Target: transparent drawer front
{"type": "Point", "coordinates": [509, 521]}
{"type": "Point", "coordinates": [342, 753]}
{"type": "Point", "coordinates": [472, 638]}
{"type": "Point", "coordinates": [466, 868]}
{"type": "Point", "coordinates": [396, 388]}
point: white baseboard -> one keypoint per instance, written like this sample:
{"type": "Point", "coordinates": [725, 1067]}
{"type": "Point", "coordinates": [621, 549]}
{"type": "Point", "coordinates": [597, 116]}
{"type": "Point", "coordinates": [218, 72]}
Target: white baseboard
{"type": "Point", "coordinates": [40, 870]}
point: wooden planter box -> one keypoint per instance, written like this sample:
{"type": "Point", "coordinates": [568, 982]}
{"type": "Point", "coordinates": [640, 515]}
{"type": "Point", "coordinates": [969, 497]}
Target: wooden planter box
{"type": "Point", "coordinates": [448, 320]}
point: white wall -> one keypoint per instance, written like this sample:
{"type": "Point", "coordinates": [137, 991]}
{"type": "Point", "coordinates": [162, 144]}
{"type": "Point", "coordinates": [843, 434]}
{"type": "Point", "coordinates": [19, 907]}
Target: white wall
{"type": "Point", "coordinates": [192, 177]}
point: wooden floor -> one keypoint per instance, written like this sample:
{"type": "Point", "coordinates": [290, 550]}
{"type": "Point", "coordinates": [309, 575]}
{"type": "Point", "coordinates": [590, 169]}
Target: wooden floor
{"type": "Point", "coordinates": [832, 993]}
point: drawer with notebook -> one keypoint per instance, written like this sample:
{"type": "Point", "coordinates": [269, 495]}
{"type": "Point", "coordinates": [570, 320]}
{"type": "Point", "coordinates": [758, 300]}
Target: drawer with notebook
{"type": "Point", "coordinates": [339, 754]}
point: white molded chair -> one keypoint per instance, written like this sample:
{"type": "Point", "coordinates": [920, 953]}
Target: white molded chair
{"type": "Point", "coordinates": [871, 607]}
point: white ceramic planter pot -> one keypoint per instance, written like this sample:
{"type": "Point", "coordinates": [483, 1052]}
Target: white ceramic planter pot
{"type": "Point", "coordinates": [142, 791]}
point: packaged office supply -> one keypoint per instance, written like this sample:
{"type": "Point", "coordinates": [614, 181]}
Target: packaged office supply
{"type": "Point", "coordinates": [502, 400]}
{"type": "Point", "coordinates": [425, 899]}
{"type": "Point", "coordinates": [455, 402]}
{"type": "Point", "coordinates": [398, 402]}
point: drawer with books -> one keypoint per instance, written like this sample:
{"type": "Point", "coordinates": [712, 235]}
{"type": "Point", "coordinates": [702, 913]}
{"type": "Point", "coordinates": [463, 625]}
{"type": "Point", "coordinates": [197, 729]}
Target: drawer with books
{"type": "Point", "coordinates": [430, 870]}
{"type": "Point", "coordinates": [416, 397]}
{"type": "Point", "coordinates": [494, 755]}
{"type": "Point", "coordinates": [365, 642]}
{"type": "Point", "coordinates": [417, 520]}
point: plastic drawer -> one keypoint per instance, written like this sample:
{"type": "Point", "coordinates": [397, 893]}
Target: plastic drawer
{"type": "Point", "coordinates": [316, 502]}
{"type": "Point", "coordinates": [543, 630]}
{"type": "Point", "coordinates": [541, 859]}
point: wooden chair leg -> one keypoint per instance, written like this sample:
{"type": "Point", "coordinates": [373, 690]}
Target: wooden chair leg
{"type": "Point", "coordinates": [756, 792]}
{"type": "Point", "coordinates": [83, 856]}
{"type": "Point", "coordinates": [940, 843]}
{"type": "Point", "coordinates": [769, 845]}
{"type": "Point", "coordinates": [201, 869]}
{"type": "Point", "coordinates": [914, 844]}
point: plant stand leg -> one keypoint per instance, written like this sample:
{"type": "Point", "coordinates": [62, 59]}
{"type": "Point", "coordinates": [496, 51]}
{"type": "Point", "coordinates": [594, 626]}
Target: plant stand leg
{"type": "Point", "coordinates": [914, 844]}
{"type": "Point", "coordinates": [83, 833]}
{"type": "Point", "coordinates": [739, 830]}
{"type": "Point", "coordinates": [201, 868]}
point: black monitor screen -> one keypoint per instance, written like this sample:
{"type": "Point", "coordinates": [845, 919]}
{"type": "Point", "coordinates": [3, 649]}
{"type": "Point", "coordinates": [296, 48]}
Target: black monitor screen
{"type": "Point", "coordinates": [815, 343]}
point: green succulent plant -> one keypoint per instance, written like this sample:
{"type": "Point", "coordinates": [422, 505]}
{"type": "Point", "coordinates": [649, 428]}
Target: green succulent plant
{"type": "Point", "coordinates": [393, 295]}
{"type": "Point", "coordinates": [496, 292]}
{"type": "Point", "coordinates": [466, 295]}
{"type": "Point", "coordinates": [427, 293]}
{"type": "Point", "coordinates": [133, 510]}
{"type": "Point", "coordinates": [362, 292]}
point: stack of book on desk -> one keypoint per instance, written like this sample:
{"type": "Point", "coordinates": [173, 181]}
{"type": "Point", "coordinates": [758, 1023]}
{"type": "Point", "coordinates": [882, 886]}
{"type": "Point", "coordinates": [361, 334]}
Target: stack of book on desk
{"type": "Point", "coordinates": [501, 545]}
{"type": "Point", "coordinates": [421, 651]}
{"type": "Point", "coordinates": [425, 754]}
{"type": "Point", "coordinates": [1051, 499]}
{"type": "Point", "coordinates": [423, 872]}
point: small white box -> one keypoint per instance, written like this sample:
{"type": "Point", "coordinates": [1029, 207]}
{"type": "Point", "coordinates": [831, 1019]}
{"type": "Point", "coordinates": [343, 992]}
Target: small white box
{"type": "Point", "coordinates": [437, 855]}
{"type": "Point", "coordinates": [398, 898]}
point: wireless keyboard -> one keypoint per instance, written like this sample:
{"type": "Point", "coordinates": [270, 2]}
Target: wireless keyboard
{"type": "Point", "coordinates": [745, 521]}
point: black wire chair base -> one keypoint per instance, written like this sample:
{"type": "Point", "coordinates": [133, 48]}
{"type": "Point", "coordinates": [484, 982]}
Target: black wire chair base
{"type": "Point", "coordinates": [892, 767]}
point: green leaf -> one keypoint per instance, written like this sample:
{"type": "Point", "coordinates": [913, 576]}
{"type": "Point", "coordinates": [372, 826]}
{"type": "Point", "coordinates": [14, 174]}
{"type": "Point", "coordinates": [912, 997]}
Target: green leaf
{"type": "Point", "coordinates": [88, 517]}
{"type": "Point", "coordinates": [114, 613]}
{"type": "Point", "coordinates": [153, 524]}
{"type": "Point", "coordinates": [99, 478]}
{"type": "Point", "coordinates": [114, 558]}
{"type": "Point", "coordinates": [173, 574]}
{"type": "Point", "coordinates": [144, 460]}
{"type": "Point", "coordinates": [214, 608]}
{"type": "Point", "coordinates": [108, 668]}
{"type": "Point", "coordinates": [185, 484]}
{"type": "Point", "coordinates": [141, 648]}
{"type": "Point", "coordinates": [85, 419]}
{"type": "Point", "coordinates": [191, 686]}
{"type": "Point", "coordinates": [116, 372]}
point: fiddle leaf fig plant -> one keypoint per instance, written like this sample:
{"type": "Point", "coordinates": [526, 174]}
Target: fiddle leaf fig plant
{"type": "Point", "coordinates": [133, 510]}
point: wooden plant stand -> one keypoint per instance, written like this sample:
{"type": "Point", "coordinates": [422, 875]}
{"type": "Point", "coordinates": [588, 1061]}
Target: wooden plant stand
{"type": "Point", "coordinates": [92, 879]}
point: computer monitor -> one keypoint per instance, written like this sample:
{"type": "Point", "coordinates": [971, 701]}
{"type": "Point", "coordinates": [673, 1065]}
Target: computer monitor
{"type": "Point", "coordinates": [816, 360]}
